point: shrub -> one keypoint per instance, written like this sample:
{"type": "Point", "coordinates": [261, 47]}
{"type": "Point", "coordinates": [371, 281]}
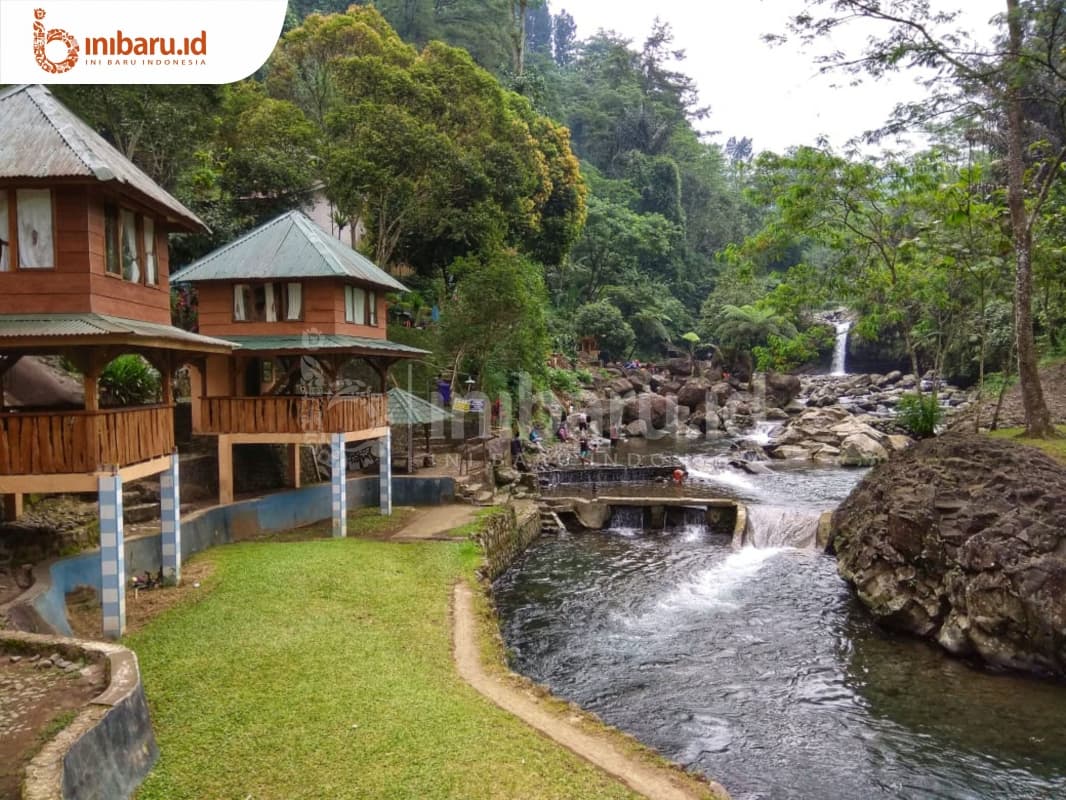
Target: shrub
{"type": "Point", "coordinates": [919, 414]}
{"type": "Point", "coordinates": [563, 380]}
{"type": "Point", "coordinates": [129, 381]}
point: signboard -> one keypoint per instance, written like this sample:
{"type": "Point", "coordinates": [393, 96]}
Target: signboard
{"type": "Point", "coordinates": [459, 404]}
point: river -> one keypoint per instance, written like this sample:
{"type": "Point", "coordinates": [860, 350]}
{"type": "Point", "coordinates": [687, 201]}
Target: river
{"type": "Point", "coordinates": [758, 667]}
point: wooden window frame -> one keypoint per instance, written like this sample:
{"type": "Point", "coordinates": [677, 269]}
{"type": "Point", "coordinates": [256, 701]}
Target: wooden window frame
{"type": "Point", "coordinates": [120, 243]}
{"type": "Point", "coordinates": [281, 297]}
{"type": "Point", "coordinates": [13, 231]}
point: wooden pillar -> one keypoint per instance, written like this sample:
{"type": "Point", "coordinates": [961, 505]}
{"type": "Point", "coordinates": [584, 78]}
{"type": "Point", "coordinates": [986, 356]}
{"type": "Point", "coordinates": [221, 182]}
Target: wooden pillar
{"type": "Point", "coordinates": [167, 372]}
{"type": "Point", "coordinates": [197, 393]}
{"type": "Point", "coordinates": [294, 465]}
{"type": "Point", "coordinates": [13, 506]}
{"type": "Point", "coordinates": [225, 470]}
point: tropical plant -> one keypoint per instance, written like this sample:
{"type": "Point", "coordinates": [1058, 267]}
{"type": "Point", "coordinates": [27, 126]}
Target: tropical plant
{"type": "Point", "coordinates": [919, 414]}
{"type": "Point", "coordinates": [129, 380]}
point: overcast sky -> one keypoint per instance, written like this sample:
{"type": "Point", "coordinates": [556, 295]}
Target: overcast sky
{"type": "Point", "coordinates": [772, 94]}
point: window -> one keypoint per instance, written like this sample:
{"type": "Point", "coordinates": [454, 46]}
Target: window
{"type": "Point", "coordinates": [355, 305]}
{"type": "Point", "coordinates": [372, 305]}
{"type": "Point", "coordinates": [5, 236]}
{"type": "Point", "coordinates": [267, 302]}
{"type": "Point", "coordinates": [111, 244]}
{"type": "Point", "coordinates": [130, 249]}
{"type": "Point", "coordinates": [151, 265]}
{"type": "Point", "coordinates": [131, 261]}
{"type": "Point", "coordinates": [294, 306]}
{"type": "Point", "coordinates": [26, 229]}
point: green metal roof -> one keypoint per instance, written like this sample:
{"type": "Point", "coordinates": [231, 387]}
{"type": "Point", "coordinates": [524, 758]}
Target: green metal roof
{"type": "Point", "coordinates": [290, 246]}
{"type": "Point", "coordinates": [65, 326]}
{"type": "Point", "coordinates": [407, 409]}
{"type": "Point", "coordinates": [311, 342]}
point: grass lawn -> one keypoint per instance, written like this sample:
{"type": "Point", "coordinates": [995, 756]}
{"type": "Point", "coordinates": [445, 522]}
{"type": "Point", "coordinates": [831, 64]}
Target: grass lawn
{"type": "Point", "coordinates": [323, 669]}
{"type": "Point", "coordinates": [1056, 448]}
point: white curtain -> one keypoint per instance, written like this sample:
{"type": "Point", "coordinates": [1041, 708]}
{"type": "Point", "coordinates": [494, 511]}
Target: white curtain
{"type": "Point", "coordinates": [5, 234]}
{"type": "Point", "coordinates": [349, 308]}
{"type": "Point", "coordinates": [373, 306]}
{"type": "Point", "coordinates": [271, 308]}
{"type": "Point", "coordinates": [358, 306]}
{"type": "Point", "coordinates": [240, 311]}
{"type": "Point", "coordinates": [295, 304]}
{"type": "Point", "coordinates": [131, 262]}
{"type": "Point", "coordinates": [35, 228]}
{"type": "Point", "coordinates": [151, 268]}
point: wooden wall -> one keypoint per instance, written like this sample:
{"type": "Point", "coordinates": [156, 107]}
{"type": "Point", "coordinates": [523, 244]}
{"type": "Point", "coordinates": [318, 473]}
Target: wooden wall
{"type": "Point", "coordinates": [323, 300]}
{"type": "Point", "coordinates": [79, 282]}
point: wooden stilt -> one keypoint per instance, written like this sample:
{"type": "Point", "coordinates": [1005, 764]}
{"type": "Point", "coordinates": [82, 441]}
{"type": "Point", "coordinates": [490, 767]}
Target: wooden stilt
{"type": "Point", "coordinates": [225, 470]}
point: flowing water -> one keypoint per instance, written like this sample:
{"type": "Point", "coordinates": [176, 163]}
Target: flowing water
{"type": "Point", "coordinates": [758, 667]}
{"type": "Point", "coordinates": [840, 348]}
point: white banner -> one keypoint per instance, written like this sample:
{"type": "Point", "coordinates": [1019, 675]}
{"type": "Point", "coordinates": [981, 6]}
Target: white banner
{"type": "Point", "coordinates": [136, 41]}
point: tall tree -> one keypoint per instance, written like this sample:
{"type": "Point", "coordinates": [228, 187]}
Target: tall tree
{"type": "Point", "coordinates": [996, 82]}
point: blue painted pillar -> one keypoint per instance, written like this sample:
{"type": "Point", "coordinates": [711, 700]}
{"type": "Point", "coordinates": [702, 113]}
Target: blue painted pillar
{"type": "Point", "coordinates": [385, 473]}
{"type": "Point", "coordinates": [170, 514]}
{"type": "Point", "coordinates": [338, 479]}
{"type": "Point", "coordinates": [112, 556]}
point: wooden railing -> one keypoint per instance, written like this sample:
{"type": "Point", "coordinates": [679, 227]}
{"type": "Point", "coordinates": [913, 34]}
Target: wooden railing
{"type": "Point", "coordinates": [61, 442]}
{"type": "Point", "coordinates": [292, 414]}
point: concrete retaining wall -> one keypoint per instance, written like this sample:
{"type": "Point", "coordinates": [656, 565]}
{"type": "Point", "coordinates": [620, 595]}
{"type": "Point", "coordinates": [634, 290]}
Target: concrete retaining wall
{"type": "Point", "coordinates": [505, 536]}
{"type": "Point", "coordinates": [222, 525]}
{"type": "Point", "coordinates": [109, 748]}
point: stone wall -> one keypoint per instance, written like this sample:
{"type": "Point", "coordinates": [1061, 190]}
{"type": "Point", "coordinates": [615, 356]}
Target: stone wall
{"type": "Point", "coordinates": [505, 535]}
{"type": "Point", "coordinates": [109, 748]}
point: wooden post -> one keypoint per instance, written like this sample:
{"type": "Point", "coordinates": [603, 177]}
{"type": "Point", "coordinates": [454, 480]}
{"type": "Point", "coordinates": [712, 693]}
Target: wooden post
{"type": "Point", "coordinates": [294, 465]}
{"type": "Point", "coordinates": [225, 470]}
{"type": "Point", "coordinates": [13, 506]}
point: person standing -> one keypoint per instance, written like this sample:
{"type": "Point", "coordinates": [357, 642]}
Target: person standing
{"type": "Point", "coordinates": [517, 461]}
{"type": "Point", "coordinates": [612, 434]}
{"type": "Point", "coordinates": [583, 449]}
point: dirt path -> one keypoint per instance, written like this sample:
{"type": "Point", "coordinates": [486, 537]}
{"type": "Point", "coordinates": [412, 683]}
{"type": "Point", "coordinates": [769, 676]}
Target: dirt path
{"type": "Point", "coordinates": [436, 522]}
{"type": "Point", "coordinates": [652, 782]}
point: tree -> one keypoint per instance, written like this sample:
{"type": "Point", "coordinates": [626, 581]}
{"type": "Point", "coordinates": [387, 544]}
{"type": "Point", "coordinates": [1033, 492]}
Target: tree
{"type": "Point", "coordinates": [605, 322]}
{"type": "Point", "coordinates": [564, 34]}
{"type": "Point", "coordinates": [1028, 58]}
{"type": "Point", "coordinates": [497, 323]}
{"type": "Point", "coordinates": [437, 159]}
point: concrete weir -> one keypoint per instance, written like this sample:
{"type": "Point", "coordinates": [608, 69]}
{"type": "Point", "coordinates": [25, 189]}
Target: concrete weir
{"type": "Point", "coordinates": [719, 515]}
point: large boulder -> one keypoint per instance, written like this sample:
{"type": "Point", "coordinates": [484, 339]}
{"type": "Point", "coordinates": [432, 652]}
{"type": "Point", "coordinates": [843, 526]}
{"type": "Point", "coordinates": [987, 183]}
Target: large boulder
{"type": "Point", "coordinates": [860, 450]}
{"type": "Point", "coordinates": [693, 392]}
{"type": "Point", "coordinates": [781, 389]}
{"type": "Point", "coordinates": [658, 411]}
{"type": "Point", "coordinates": [960, 540]}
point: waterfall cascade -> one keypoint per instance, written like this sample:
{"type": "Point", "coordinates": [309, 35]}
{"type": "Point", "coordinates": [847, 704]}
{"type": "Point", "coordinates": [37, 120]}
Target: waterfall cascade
{"type": "Point", "coordinates": [840, 348]}
{"type": "Point", "coordinates": [778, 526]}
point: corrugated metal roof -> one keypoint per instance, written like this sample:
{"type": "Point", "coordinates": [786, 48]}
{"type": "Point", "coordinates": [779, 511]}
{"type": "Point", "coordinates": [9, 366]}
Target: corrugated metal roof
{"type": "Point", "coordinates": [325, 341]}
{"type": "Point", "coordinates": [290, 246]}
{"type": "Point", "coordinates": [42, 138]}
{"type": "Point", "coordinates": [37, 326]}
{"type": "Point", "coordinates": [407, 409]}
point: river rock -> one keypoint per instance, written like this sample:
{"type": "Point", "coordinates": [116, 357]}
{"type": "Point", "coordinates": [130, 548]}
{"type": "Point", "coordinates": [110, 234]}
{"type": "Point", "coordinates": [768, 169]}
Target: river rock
{"type": "Point", "coordinates": [960, 540]}
{"type": "Point", "coordinates": [781, 389]}
{"type": "Point", "coordinates": [790, 451]}
{"type": "Point", "coordinates": [636, 428]}
{"type": "Point", "coordinates": [860, 450]}
{"type": "Point", "coordinates": [693, 392]}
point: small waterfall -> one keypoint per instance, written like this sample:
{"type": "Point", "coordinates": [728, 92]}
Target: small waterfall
{"type": "Point", "coordinates": [627, 518]}
{"type": "Point", "coordinates": [840, 348]}
{"type": "Point", "coordinates": [705, 470]}
{"type": "Point", "coordinates": [777, 526]}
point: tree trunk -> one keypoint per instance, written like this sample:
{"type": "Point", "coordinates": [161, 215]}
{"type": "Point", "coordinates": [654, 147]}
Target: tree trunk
{"type": "Point", "coordinates": [1037, 417]}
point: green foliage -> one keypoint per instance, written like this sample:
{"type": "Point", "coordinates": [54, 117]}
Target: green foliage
{"type": "Point", "coordinates": [784, 354]}
{"type": "Point", "coordinates": [497, 325]}
{"type": "Point", "coordinates": [129, 380]}
{"type": "Point", "coordinates": [746, 327]}
{"type": "Point", "coordinates": [564, 380]}
{"type": "Point", "coordinates": [605, 322]}
{"type": "Point", "coordinates": [919, 414]}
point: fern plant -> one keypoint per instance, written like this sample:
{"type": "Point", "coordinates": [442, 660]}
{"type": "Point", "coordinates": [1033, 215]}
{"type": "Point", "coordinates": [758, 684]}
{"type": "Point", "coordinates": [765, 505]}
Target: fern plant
{"type": "Point", "coordinates": [919, 414]}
